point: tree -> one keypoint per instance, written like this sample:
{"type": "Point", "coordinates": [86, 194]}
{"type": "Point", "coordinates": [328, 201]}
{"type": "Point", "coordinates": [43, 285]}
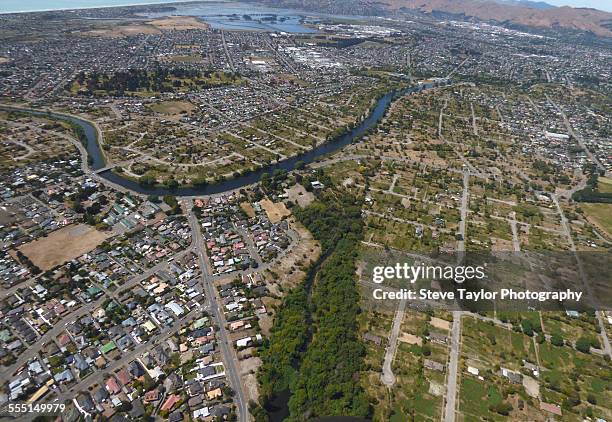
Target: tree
{"type": "Point", "coordinates": [147, 180]}
{"type": "Point", "coordinates": [583, 345]}
{"type": "Point", "coordinates": [557, 340]}
{"type": "Point", "coordinates": [503, 408]}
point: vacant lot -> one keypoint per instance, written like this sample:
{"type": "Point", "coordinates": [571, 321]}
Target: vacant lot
{"type": "Point", "coordinates": [172, 108]}
{"type": "Point", "coordinates": [4, 60]}
{"type": "Point", "coordinates": [299, 195]}
{"type": "Point", "coordinates": [117, 31]}
{"type": "Point", "coordinates": [440, 323]}
{"type": "Point", "coordinates": [604, 185]}
{"type": "Point", "coordinates": [275, 211]}
{"type": "Point", "coordinates": [63, 245]}
{"type": "Point", "coordinates": [192, 58]}
{"type": "Point", "coordinates": [179, 23]}
{"type": "Point", "coordinates": [600, 215]}
{"type": "Point", "coordinates": [248, 209]}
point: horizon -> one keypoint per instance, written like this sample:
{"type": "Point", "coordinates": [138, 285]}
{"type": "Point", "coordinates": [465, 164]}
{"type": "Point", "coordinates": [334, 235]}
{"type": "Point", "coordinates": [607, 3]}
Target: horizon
{"type": "Point", "coordinates": [593, 4]}
{"type": "Point", "coordinates": [17, 6]}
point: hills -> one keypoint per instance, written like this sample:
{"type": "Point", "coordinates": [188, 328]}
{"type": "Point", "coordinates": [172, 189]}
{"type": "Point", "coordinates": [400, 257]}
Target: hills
{"type": "Point", "coordinates": [529, 13]}
{"type": "Point", "coordinates": [582, 19]}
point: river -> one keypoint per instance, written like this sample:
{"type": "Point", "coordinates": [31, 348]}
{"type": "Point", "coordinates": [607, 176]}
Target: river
{"type": "Point", "coordinates": [97, 162]}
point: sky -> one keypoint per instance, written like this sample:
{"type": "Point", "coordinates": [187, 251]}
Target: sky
{"type": "Point", "coordinates": [596, 4]}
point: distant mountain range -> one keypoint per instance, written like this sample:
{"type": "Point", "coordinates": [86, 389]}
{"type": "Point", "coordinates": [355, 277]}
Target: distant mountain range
{"type": "Point", "coordinates": [533, 4]}
{"type": "Point", "coordinates": [514, 12]}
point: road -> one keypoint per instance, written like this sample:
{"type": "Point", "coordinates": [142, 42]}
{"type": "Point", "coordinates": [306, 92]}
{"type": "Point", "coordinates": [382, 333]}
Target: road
{"type": "Point", "coordinates": [576, 135]}
{"type": "Point", "coordinates": [86, 309]}
{"type": "Point", "coordinates": [228, 353]}
{"type": "Point", "coordinates": [589, 292]}
{"type": "Point", "coordinates": [455, 342]}
{"type": "Point", "coordinates": [227, 53]}
{"type": "Point", "coordinates": [388, 378]}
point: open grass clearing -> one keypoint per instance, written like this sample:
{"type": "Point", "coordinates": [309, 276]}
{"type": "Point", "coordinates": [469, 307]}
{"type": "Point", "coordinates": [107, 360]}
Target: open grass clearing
{"type": "Point", "coordinates": [63, 245]}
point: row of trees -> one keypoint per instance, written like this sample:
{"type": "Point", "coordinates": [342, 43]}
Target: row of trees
{"type": "Point", "coordinates": [591, 192]}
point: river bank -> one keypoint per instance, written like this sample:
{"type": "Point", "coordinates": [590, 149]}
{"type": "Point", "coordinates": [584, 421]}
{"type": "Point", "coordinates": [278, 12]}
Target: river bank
{"type": "Point", "coordinates": [96, 159]}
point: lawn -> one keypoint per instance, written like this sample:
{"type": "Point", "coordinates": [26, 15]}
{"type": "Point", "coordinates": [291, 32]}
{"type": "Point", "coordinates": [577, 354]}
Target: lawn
{"type": "Point", "coordinates": [599, 214]}
{"type": "Point", "coordinates": [604, 185]}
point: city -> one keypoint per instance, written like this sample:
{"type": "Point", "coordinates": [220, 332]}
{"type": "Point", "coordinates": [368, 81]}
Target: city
{"type": "Point", "coordinates": [194, 197]}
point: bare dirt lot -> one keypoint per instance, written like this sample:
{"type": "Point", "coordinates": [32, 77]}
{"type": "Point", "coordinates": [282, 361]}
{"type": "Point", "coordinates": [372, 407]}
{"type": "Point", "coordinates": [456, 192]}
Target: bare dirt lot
{"type": "Point", "coordinates": [275, 211]}
{"type": "Point", "coordinates": [4, 60]}
{"type": "Point", "coordinates": [440, 323]}
{"type": "Point", "coordinates": [265, 320]}
{"type": "Point", "coordinates": [179, 23]}
{"type": "Point", "coordinates": [410, 339]}
{"type": "Point", "coordinates": [247, 368]}
{"type": "Point", "coordinates": [63, 245]}
{"type": "Point", "coordinates": [287, 273]}
{"type": "Point", "coordinates": [248, 209]}
{"type": "Point", "coordinates": [299, 195]}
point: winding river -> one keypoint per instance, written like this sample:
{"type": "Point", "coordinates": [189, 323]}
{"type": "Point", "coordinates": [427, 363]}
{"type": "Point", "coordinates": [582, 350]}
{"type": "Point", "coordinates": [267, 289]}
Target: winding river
{"type": "Point", "coordinates": [97, 162]}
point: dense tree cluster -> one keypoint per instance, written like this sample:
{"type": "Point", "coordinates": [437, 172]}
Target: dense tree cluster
{"type": "Point", "coordinates": [314, 350]}
{"type": "Point", "coordinates": [157, 80]}
{"type": "Point", "coordinates": [591, 192]}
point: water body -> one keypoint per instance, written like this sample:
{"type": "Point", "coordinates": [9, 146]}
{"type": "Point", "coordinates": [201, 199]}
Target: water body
{"type": "Point", "coordinates": [218, 13]}
{"type": "Point", "coordinates": [241, 16]}
{"type": "Point", "coordinates": [96, 157]}
{"type": "Point", "coordinates": [15, 6]}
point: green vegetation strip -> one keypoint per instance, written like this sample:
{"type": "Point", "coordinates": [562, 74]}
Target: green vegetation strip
{"type": "Point", "coordinates": [314, 350]}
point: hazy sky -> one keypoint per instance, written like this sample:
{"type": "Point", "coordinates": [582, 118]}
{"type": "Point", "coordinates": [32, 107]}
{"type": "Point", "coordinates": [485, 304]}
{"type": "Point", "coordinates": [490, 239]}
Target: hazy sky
{"type": "Point", "coordinates": [596, 4]}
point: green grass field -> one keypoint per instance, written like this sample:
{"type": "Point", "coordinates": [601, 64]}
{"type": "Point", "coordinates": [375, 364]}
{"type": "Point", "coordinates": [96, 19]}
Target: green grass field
{"type": "Point", "coordinates": [604, 185]}
{"type": "Point", "coordinates": [601, 213]}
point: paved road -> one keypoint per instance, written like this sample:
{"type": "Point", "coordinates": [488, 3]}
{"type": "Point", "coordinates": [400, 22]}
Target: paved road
{"type": "Point", "coordinates": [585, 282]}
{"type": "Point", "coordinates": [453, 368]}
{"type": "Point", "coordinates": [227, 53]}
{"type": "Point", "coordinates": [576, 135]}
{"type": "Point", "coordinates": [453, 363]}
{"type": "Point", "coordinates": [388, 378]}
{"type": "Point", "coordinates": [60, 326]}
{"type": "Point", "coordinates": [227, 351]}
{"type": "Point", "coordinates": [516, 244]}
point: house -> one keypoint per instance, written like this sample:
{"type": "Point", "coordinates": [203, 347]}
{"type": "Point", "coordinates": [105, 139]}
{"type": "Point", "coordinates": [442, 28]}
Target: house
{"type": "Point", "coordinates": [195, 401]}
{"type": "Point", "coordinates": [100, 395]}
{"type": "Point", "coordinates": [438, 338]}
{"type": "Point", "coordinates": [137, 410]}
{"type": "Point", "coordinates": [373, 338]}
{"type": "Point", "coordinates": [80, 363]}
{"type": "Point", "coordinates": [124, 376]}
{"type": "Point", "coordinates": [151, 396]}
{"type": "Point", "coordinates": [64, 376]}
{"type": "Point", "coordinates": [473, 371]}
{"type": "Point", "coordinates": [113, 386]}
{"type": "Point", "coordinates": [433, 365]}
{"type": "Point", "coordinates": [514, 377]}
{"type": "Point", "coordinates": [108, 347]}
{"type": "Point", "coordinates": [203, 412]}
{"type": "Point", "coordinates": [84, 403]}
{"type": "Point", "coordinates": [236, 325]}
{"type": "Point", "coordinates": [136, 369]}
{"type": "Point", "coordinates": [217, 393]}
{"type": "Point", "coordinates": [535, 369]}
{"type": "Point", "coordinates": [170, 402]}
{"type": "Point", "coordinates": [551, 408]}
{"type": "Point", "coordinates": [194, 388]}
{"type": "Point", "coordinates": [175, 416]}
